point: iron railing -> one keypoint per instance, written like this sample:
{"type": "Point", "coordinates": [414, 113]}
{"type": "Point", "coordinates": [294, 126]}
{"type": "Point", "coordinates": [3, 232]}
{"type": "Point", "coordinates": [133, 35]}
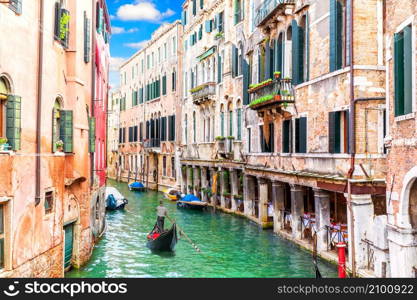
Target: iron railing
{"type": "Point", "coordinates": [335, 235]}
{"type": "Point", "coordinates": [370, 254]}
{"type": "Point", "coordinates": [280, 92]}
{"type": "Point", "coordinates": [267, 7]}
{"type": "Point", "coordinates": [152, 143]}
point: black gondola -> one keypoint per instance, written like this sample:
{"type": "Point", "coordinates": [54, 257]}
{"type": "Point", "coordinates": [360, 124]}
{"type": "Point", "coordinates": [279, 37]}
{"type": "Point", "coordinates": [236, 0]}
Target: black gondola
{"type": "Point", "coordinates": [166, 241]}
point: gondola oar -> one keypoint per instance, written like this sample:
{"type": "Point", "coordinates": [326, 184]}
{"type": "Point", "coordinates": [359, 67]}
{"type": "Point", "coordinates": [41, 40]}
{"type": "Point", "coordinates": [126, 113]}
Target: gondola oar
{"type": "Point", "coordinates": [184, 234]}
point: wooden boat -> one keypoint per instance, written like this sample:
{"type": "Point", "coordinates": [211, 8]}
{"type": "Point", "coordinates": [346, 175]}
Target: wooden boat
{"type": "Point", "coordinates": [172, 195]}
{"type": "Point", "coordinates": [165, 241]}
{"type": "Point", "coordinates": [114, 199]}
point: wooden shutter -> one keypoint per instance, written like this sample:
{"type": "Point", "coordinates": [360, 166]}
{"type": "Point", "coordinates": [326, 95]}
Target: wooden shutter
{"type": "Point", "coordinates": [236, 10]}
{"type": "Point", "coordinates": [200, 32]}
{"type": "Point", "coordinates": [209, 26]}
{"type": "Point", "coordinates": [334, 132]}
{"type": "Point", "coordinates": [194, 7]}
{"type": "Point", "coordinates": [87, 38]}
{"type": "Point", "coordinates": [348, 30]}
{"type": "Point", "coordinates": [55, 112]}
{"type": "Point", "coordinates": [303, 135]}
{"type": "Point", "coordinates": [399, 73]}
{"type": "Point", "coordinates": [64, 37]}
{"type": "Point", "coordinates": [408, 70]}
{"type": "Point", "coordinates": [296, 48]}
{"type": "Point", "coordinates": [92, 134]}
{"type": "Point", "coordinates": [14, 121]}
{"type": "Point", "coordinates": [336, 35]}
{"type": "Point", "coordinates": [219, 69]}
{"type": "Point", "coordinates": [16, 6]}
{"type": "Point", "coordinates": [67, 130]}
{"type": "Point", "coordinates": [201, 4]}
{"type": "Point", "coordinates": [239, 124]}
{"type": "Point", "coordinates": [306, 46]}
{"type": "Point", "coordinates": [286, 136]}
{"type": "Point", "coordinates": [164, 85]}
{"type": "Point", "coordinates": [267, 61]}
{"type": "Point", "coordinates": [222, 123]}
{"type": "Point", "coordinates": [57, 19]}
{"type": "Point", "coordinates": [235, 61]}
{"type": "Point", "coordinates": [246, 80]}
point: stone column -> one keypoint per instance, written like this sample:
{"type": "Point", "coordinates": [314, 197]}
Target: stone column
{"type": "Point", "coordinates": [189, 179]}
{"type": "Point", "coordinates": [204, 183]}
{"type": "Point", "coordinates": [322, 209]}
{"type": "Point", "coordinates": [184, 180]}
{"type": "Point", "coordinates": [297, 209]}
{"type": "Point", "coordinates": [197, 181]}
{"type": "Point", "coordinates": [363, 213]}
{"type": "Point", "coordinates": [278, 194]}
{"type": "Point", "coordinates": [234, 182]}
{"type": "Point", "coordinates": [263, 200]}
{"type": "Point", "coordinates": [248, 195]}
{"type": "Point", "coordinates": [222, 189]}
{"type": "Point", "coordinates": [213, 197]}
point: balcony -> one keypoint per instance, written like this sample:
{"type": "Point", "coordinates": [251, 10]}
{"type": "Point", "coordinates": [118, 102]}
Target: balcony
{"type": "Point", "coordinates": [204, 93]}
{"type": "Point", "coordinates": [269, 8]}
{"type": "Point", "coordinates": [272, 93]}
{"type": "Point", "coordinates": [152, 143]}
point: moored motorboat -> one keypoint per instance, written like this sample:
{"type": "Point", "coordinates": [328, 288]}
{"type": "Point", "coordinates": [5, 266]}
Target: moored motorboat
{"type": "Point", "coordinates": [114, 199]}
{"type": "Point", "coordinates": [162, 241]}
{"type": "Point", "coordinates": [172, 194]}
{"type": "Point", "coordinates": [191, 202]}
{"type": "Point", "coordinates": [137, 186]}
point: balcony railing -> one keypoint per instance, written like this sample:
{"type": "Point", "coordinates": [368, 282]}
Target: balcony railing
{"type": "Point", "coordinates": [268, 8]}
{"type": "Point", "coordinates": [203, 93]}
{"type": "Point", "coordinates": [272, 92]}
{"type": "Point", "coordinates": [152, 143]}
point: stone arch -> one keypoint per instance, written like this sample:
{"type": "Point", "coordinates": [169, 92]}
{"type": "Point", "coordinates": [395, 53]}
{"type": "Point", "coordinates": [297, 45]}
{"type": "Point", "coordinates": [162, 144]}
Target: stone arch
{"type": "Point", "coordinates": [407, 216]}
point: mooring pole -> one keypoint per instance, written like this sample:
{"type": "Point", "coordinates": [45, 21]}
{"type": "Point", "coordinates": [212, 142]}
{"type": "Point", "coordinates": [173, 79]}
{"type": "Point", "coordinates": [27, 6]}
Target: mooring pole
{"type": "Point", "coordinates": [341, 252]}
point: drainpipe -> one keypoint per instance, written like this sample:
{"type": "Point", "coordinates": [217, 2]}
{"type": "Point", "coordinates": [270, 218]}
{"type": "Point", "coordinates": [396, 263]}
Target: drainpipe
{"type": "Point", "coordinates": [93, 82]}
{"type": "Point", "coordinates": [352, 139]}
{"type": "Point", "coordinates": [39, 108]}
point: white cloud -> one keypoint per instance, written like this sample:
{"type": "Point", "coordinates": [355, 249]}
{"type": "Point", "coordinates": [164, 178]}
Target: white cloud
{"type": "Point", "coordinates": [115, 63]}
{"type": "Point", "coordinates": [120, 30]}
{"type": "Point", "coordinates": [138, 45]}
{"type": "Point", "coordinates": [142, 10]}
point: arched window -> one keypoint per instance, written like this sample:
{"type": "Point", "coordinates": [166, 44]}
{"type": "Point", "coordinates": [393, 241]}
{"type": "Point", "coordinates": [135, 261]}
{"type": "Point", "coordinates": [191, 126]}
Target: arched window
{"type": "Point", "coordinates": [4, 93]}
{"type": "Point", "coordinates": [56, 123]}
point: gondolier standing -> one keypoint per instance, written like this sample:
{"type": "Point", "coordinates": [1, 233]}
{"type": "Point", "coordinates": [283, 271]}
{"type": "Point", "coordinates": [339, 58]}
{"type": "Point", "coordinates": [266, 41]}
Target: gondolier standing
{"type": "Point", "coordinates": [161, 213]}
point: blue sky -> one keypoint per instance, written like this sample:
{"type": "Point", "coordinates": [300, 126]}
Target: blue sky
{"type": "Point", "coordinates": [133, 22]}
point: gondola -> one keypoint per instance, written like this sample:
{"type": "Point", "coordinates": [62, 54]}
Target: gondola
{"type": "Point", "coordinates": [164, 241]}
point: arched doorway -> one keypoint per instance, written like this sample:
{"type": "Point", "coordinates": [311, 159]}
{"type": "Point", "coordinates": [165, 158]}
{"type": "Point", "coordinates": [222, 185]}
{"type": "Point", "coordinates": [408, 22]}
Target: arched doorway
{"type": "Point", "coordinates": [412, 206]}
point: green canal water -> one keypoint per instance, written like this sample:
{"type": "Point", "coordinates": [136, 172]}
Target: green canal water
{"type": "Point", "coordinates": [231, 246]}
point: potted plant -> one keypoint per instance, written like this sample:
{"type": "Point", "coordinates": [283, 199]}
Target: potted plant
{"type": "Point", "coordinates": [277, 74]}
{"type": "Point", "coordinates": [227, 195]}
{"type": "Point", "coordinates": [3, 143]}
{"type": "Point", "coordinates": [59, 145]}
{"type": "Point", "coordinates": [230, 137]}
{"type": "Point", "coordinates": [220, 138]}
{"type": "Point", "coordinates": [238, 197]}
{"type": "Point", "coordinates": [277, 97]}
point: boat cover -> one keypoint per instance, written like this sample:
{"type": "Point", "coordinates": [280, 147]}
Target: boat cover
{"type": "Point", "coordinates": [191, 198]}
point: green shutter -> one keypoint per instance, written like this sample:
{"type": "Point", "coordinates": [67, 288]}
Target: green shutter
{"type": "Point", "coordinates": [279, 54]}
{"type": "Point", "coordinates": [201, 4]}
{"type": "Point", "coordinates": [239, 124]}
{"type": "Point", "coordinates": [194, 7]}
{"type": "Point", "coordinates": [235, 57]}
{"type": "Point", "coordinates": [303, 135]}
{"type": "Point", "coordinates": [306, 44]}
{"type": "Point", "coordinates": [55, 111]}
{"type": "Point", "coordinates": [267, 61]}
{"type": "Point", "coordinates": [408, 70]}
{"type": "Point", "coordinates": [14, 121]}
{"type": "Point", "coordinates": [236, 11]}
{"type": "Point", "coordinates": [100, 20]}
{"type": "Point", "coordinates": [67, 130]}
{"type": "Point", "coordinates": [230, 123]}
{"type": "Point", "coordinates": [87, 38]}
{"type": "Point", "coordinates": [295, 51]}
{"type": "Point", "coordinates": [200, 32]}
{"type": "Point", "coordinates": [209, 26]}
{"type": "Point", "coordinates": [164, 85]}
{"type": "Point", "coordinates": [57, 19]}
{"type": "Point", "coordinates": [92, 134]}
{"type": "Point", "coordinates": [246, 80]}
{"type": "Point", "coordinates": [286, 136]}
{"type": "Point", "coordinates": [399, 73]}
{"type": "Point", "coordinates": [336, 35]}
{"type": "Point", "coordinates": [332, 132]}
{"type": "Point", "coordinates": [219, 69]}
{"type": "Point", "coordinates": [222, 124]}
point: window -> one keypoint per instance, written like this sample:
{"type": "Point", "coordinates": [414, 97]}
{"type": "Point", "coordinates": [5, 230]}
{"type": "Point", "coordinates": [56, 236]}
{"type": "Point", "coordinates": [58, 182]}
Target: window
{"type": "Point", "coordinates": [249, 140]}
{"type": "Point", "coordinates": [184, 17]}
{"type": "Point", "coordinates": [235, 61]}
{"type": "Point", "coordinates": [2, 231]}
{"type": "Point", "coordinates": [173, 173]}
{"type": "Point", "coordinates": [194, 128]}
{"type": "Point", "coordinates": [62, 20]}
{"type": "Point", "coordinates": [194, 7]}
{"type": "Point", "coordinates": [287, 136]}
{"type": "Point", "coordinates": [339, 35]}
{"type": "Point", "coordinates": [403, 71]}
{"type": "Point", "coordinates": [171, 120]}
{"type": "Point", "coordinates": [219, 69]}
{"type": "Point", "coordinates": [16, 6]}
{"type": "Point", "coordinates": [174, 46]}
{"type": "Point", "coordinates": [164, 85]}
{"type": "Point", "coordinates": [301, 135]}
{"type": "Point", "coordinates": [49, 202]}
{"type": "Point", "coordinates": [339, 132]}
{"type": "Point", "coordinates": [238, 11]}
{"type": "Point", "coordinates": [164, 166]}
{"type": "Point", "coordinates": [186, 129]}
{"type": "Point", "coordinates": [267, 138]}
{"type": "Point", "coordinates": [164, 129]}
{"type": "Point", "coordinates": [300, 35]}
{"type": "Point", "coordinates": [222, 133]}
{"type": "Point", "coordinates": [220, 22]}
{"type": "Point", "coordinates": [230, 123]}
{"type": "Point", "coordinates": [165, 51]}
{"type": "Point", "coordinates": [174, 81]}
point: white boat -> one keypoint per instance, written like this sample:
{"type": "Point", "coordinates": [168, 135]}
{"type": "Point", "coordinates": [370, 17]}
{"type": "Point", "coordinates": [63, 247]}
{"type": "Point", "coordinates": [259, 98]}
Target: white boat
{"type": "Point", "coordinates": [114, 199]}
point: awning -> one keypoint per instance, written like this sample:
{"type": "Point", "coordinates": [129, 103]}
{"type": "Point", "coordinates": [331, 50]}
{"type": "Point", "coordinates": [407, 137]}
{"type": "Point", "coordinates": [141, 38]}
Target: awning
{"type": "Point", "coordinates": [207, 53]}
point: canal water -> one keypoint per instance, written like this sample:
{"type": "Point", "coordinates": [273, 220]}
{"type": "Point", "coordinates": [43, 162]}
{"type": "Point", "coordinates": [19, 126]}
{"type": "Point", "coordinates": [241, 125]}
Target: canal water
{"type": "Point", "coordinates": [231, 246]}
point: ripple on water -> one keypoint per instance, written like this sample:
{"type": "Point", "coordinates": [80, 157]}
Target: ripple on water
{"type": "Point", "coordinates": [231, 246]}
